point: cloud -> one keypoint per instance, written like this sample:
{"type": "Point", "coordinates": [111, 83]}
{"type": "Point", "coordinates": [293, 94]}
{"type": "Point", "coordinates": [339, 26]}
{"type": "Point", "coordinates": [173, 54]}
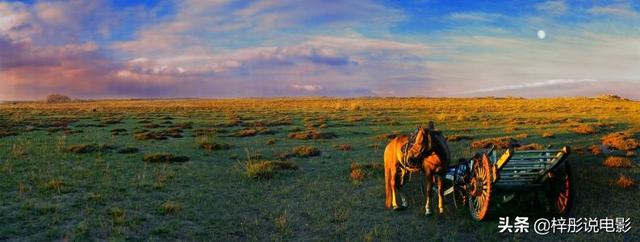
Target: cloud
{"type": "Point", "coordinates": [553, 82]}
{"type": "Point", "coordinates": [309, 88]}
{"type": "Point", "coordinates": [616, 10]}
{"type": "Point", "coordinates": [474, 16]}
{"type": "Point", "coordinates": [554, 7]}
{"type": "Point", "coordinates": [228, 48]}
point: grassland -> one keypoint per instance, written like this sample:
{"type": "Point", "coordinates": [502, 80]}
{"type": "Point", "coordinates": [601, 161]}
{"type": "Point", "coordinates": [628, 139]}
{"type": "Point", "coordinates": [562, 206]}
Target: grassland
{"type": "Point", "coordinates": [283, 169]}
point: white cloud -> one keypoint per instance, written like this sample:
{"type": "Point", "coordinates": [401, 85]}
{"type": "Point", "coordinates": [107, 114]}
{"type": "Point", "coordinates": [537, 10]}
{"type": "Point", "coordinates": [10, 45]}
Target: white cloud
{"type": "Point", "coordinates": [553, 82]}
{"type": "Point", "coordinates": [619, 10]}
{"type": "Point", "coordinates": [553, 7]}
{"type": "Point", "coordinates": [309, 88]}
{"type": "Point", "coordinates": [474, 16]}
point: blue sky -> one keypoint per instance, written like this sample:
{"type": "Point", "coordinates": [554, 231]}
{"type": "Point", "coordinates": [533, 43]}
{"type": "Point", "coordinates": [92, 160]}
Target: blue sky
{"type": "Point", "coordinates": [226, 48]}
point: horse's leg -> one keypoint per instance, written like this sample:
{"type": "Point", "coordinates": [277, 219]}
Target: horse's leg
{"type": "Point", "coordinates": [387, 186]}
{"type": "Point", "coordinates": [403, 199]}
{"type": "Point", "coordinates": [392, 174]}
{"type": "Point", "coordinates": [440, 194]}
{"type": "Point", "coordinates": [428, 183]}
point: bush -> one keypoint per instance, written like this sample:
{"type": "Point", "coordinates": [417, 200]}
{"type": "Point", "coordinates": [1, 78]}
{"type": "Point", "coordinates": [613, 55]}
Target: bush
{"type": "Point", "coordinates": [621, 141]}
{"type": "Point", "coordinates": [625, 182]}
{"type": "Point", "coordinates": [584, 129]}
{"type": "Point", "coordinates": [617, 162]}
{"type": "Point", "coordinates": [458, 137]}
{"type": "Point", "coordinates": [548, 135]}
{"type": "Point", "coordinates": [499, 143]}
{"type": "Point", "coordinates": [164, 157]}
{"type": "Point", "coordinates": [263, 170]}
{"type": "Point", "coordinates": [312, 134]}
{"type": "Point", "coordinates": [57, 98]}
{"type": "Point", "coordinates": [300, 151]}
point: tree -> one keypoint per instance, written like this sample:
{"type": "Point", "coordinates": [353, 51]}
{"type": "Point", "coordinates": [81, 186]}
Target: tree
{"type": "Point", "coordinates": [57, 98]}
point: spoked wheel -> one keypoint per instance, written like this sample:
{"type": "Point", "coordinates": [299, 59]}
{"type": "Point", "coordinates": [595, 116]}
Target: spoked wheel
{"type": "Point", "coordinates": [560, 194]}
{"type": "Point", "coordinates": [459, 196]}
{"type": "Point", "coordinates": [479, 188]}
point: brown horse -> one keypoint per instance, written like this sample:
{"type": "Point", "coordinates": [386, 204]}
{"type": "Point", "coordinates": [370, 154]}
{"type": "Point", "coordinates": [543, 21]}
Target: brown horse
{"type": "Point", "coordinates": [429, 153]}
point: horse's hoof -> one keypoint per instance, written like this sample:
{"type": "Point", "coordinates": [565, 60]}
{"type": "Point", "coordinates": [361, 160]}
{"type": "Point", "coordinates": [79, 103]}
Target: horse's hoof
{"type": "Point", "coordinates": [427, 212]}
{"type": "Point", "coordinates": [441, 211]}
{"type": "Point", "coordinates": [399, 208]}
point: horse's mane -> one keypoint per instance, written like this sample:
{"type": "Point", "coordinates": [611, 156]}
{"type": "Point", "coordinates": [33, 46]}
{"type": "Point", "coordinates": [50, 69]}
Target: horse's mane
{"type": "Point", "coordinates": [439, 146]}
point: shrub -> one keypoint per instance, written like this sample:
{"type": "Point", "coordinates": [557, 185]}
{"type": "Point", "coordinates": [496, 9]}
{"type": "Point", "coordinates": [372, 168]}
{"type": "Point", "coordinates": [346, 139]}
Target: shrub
{"type": "Point", "coordinates": [89, 148]}
{"type": "Point", "coordinates": [263, 169]}
{"type": "Point", "coordinates": [343, 147]}
{"type": "Point", "coordinates": [169, 207]}
{"type": "Point", "coordinates": [458, 137]}
{"type": "Point", "coordinates": [215, 146]}
{"type": "Point", "coordinates": [595, 150]}
{"type": "Point", "coordinates": [5, 133]}
{"type": "Point", "coordinates": [548, 135]}
{"type": "Point", "coordinates": [621, 141]}
{"type": "Point", "coordinates": [617, 162]}
{"type": "Point", "coordinates": [357, 174]}
{"type": "Point", "coordinates": [271, 141]}
{"type": "Point", "coordinates": [164, 158]}
{"type": "Point", "coordinates": [584, 129]}
{"type": "Point", "coordinates": [359, 171]}
{"type": "Point", "coordinates": [625, 182]}
{"type": "Point", "coordinates": [300, 151]}
{"type": "Point", "coordinates": [312, 134]}
{"type": "Point", "coordinates": [498, 142]}
{"type": "Point", "coordinates": [57, 98]}
{"type": "Point", "coordinates": [128, 150]}
{"type": "Point", "coordinates": [532, 146]}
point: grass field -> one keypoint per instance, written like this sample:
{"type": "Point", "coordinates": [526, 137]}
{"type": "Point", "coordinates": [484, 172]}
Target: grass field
{"type": "Point", "coordinates": [281, 169]}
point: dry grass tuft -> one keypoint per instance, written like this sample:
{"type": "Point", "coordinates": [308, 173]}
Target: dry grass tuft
{"type": "Point", "coordinates": [621, 141]}
{"type": "Point", "coordinates": [117, 216]}
{"type": "Point", "coordinates": [300, 151]}
{"type": "Point", "coordinates": [498, 142]}
{"type": "Point", "coordinates": [617, 162]}
{"type": "Point", "coordinates": [343, 147]}
{"type": "Point", "coordinates": [522, 136]}
{"type": "Point", "coordinates": [264, 169]}
{"type": "Point", "coordinates": [625, 182]}
{"type": "Point", "coordinates": [89, 148]}
{"type": "Point", "coordinates": [271, 141]}
{"type": "Point", "coordinates": [111, 120]}
{"type": "Point", "coordinates": [584, 129]}
{"type": "Point", "coordinates": [357, 174]}
{"type": "Point", "coordinates": [169, 207]}
{"type": "Point", "coordinates": [215, 146]}
{"type": "Point", "coordinates": [164, 158]}
{"type": "Point", "coordinates": [388, 136]}
{"type": "Point", "coordinates": [458, 137]}
{"type": "Point", "coordinates": [548, 135]}
{"type": "Point", "coordinates": [359, 171]}
{"type": "Point", "coordinates": [532, 146]}
{"type": "Point", "coordinates": [5, 133]}
{"type": "Point", "coordinates": [128, 150]}
{"type": "Point", "coordinates": [596, 150]}
{"type": "Point", "coordinates": [247, 132]}
{"type": "Point", "coordinates": [312, 134]}
{"type": "Point", "coordinates": [53, 184]}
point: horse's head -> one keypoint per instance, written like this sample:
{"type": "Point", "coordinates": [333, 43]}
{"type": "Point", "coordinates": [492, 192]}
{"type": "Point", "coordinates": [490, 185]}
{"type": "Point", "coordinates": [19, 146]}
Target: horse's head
{"type": "Point", "coordinates": [436, 144]}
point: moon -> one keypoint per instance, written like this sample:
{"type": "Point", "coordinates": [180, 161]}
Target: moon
{"type": "Point", "coordinates": [541, 34]}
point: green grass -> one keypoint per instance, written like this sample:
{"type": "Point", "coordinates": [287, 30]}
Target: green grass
{"type": "Point", "coordinates": [48, 191]}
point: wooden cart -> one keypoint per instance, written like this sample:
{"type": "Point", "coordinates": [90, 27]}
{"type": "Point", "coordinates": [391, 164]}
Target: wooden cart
{"type": "Point", "coordinates": [476, 180]}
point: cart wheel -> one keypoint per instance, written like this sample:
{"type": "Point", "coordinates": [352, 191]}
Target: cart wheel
{"type": "Point", "coordinates": [459, 196]}
{"type": "Point", "coordinates": [560, 194]}
{"type": "Point", "coordinates": [479, 188]}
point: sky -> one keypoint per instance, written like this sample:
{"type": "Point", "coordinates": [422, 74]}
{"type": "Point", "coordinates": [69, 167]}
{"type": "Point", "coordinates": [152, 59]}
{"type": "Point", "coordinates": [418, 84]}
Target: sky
{"type": "Point", "coordinates": [264, 48]}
